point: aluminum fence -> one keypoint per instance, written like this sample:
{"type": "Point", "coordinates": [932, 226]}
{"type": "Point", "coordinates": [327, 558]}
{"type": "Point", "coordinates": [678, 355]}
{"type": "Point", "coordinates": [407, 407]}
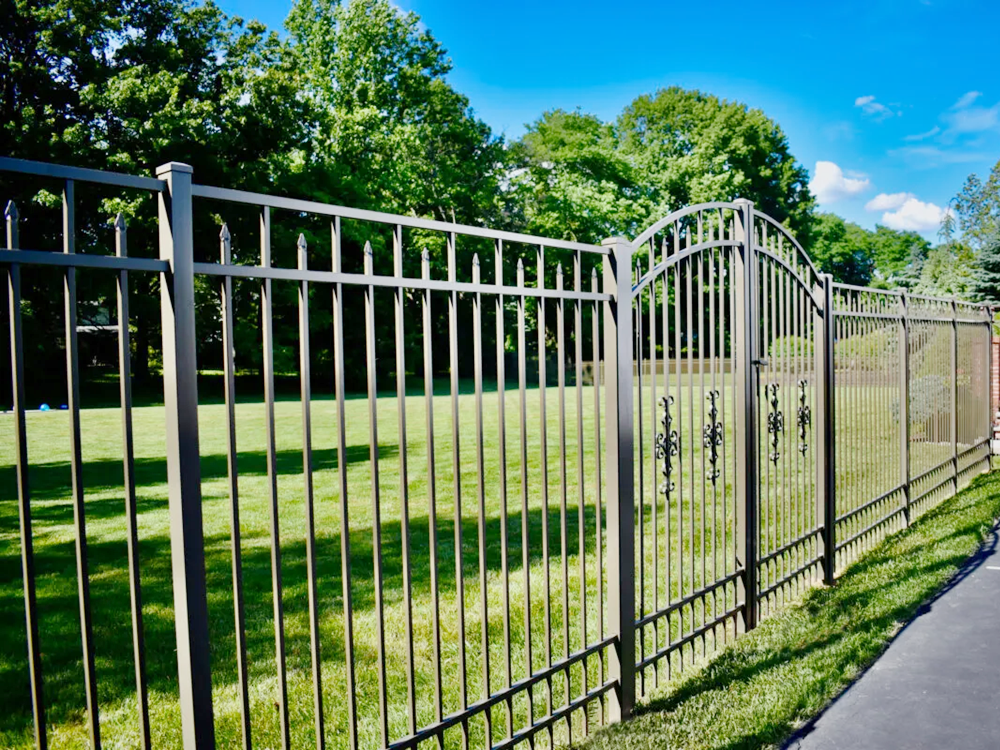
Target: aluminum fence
{"type": "Point", "coordinates": [501, 559]}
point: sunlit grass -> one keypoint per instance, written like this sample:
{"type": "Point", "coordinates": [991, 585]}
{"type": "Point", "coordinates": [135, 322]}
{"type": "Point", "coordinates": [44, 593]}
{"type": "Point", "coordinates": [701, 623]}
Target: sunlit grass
{"type": "Point", "coordinates": [102, 478]}
{"type": "Point", "coordinates": [756, 692]}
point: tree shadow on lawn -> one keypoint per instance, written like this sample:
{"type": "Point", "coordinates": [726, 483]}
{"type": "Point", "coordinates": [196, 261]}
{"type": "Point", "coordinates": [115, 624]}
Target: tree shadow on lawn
{"type": "Point", "coordinates": [51, 481]}
{"type": "Point", "coordinates": [824, 643]}
{"type": "Point", "coordinates": [58, 603]}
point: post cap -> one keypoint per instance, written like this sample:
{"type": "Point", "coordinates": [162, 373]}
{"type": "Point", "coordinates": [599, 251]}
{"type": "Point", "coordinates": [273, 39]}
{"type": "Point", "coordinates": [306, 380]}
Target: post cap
{"type": "Point", "coordinates": [608, 241]}
{"type": "Point", "coordinates": [174, 166]}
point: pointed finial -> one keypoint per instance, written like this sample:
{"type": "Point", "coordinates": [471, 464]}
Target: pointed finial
{"type": "Point", "coordinates": [559, 269]}
{"type": "Point", "coordinates": [475, 259]}
{"type": "Point", "coordinates": [368, 248]}
{"type": "Point", "coordinates": [301, 244]}
{"type": "Point", "coordinates": [593, 273]}
{"type": "Point", "coordinates": [425, 254]}
{"type": "Point", "coordinates": [224, 234]}
{"type": "Point", "coordinates": [11, 211]}
{"type": "Point", "coordinates": [120, 224]}
{"type": "Point", "coordinates": [520, 264]}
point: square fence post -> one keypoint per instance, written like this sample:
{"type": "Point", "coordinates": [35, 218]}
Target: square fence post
{"type": "Point", "coordinates": [747, 445]}
{"type": "Point", "coordinates": [827, 478]}
{"type": "Point", "coordinates": [620, 473]}
{"type": "Point", "coordinates": [954, 394]}
{"type": "Point", "coordinates": [904, 404]}
{"type": "Point", "coordinates": [180, 398]}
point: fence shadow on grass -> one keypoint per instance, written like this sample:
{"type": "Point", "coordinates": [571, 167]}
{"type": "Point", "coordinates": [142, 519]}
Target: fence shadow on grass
{"type": "Point", "coordinates": [825, 643]}
{"type": "Point", "coordinates": [59, 604]}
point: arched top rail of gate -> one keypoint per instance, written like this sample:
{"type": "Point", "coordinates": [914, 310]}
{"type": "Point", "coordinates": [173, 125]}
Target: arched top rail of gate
{"type": "Point", "coordinates": [769, 237]}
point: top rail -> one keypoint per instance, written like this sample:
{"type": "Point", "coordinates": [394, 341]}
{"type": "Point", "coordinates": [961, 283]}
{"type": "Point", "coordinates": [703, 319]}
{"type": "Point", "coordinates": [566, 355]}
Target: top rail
{"type": "Point", "coordinates": [44, 169]}
{"type": "Point", "coordinates": [870, 290]}
{"type": "Point", "coordinates": [326, 209]}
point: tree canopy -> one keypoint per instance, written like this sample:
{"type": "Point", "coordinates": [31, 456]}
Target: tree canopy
{"type": "Point", "coordinates": [353, 105]}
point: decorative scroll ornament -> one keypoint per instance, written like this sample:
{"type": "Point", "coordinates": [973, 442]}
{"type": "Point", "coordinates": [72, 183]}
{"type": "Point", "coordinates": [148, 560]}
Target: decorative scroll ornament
{"type": "Point", "coordinates": [775, 421]}
{"type": "Point", "coordinates": [713, 437]}
{"type": "Point", "coordinates": [667, 445]}
{"type": "Point", "coordinates": [804, 418]}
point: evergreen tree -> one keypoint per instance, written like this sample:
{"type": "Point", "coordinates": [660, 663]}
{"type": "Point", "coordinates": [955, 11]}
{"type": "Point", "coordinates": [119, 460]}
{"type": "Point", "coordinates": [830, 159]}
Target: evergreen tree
{"type": "Point", "coordinates": [985, 283]}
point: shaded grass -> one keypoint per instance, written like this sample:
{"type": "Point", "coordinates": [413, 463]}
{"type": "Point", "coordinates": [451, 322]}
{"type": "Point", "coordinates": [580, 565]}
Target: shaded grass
{"type": "Point", "coordinates": [757, 692]}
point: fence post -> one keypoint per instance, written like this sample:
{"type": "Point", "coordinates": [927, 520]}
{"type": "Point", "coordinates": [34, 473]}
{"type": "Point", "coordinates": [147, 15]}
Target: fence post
{"type": "Point", "coordinates": [180, 398]}
{"type": "Point", "coordinates": [954, 394]}
{"type": "Point", "coordinates": [620, 472]}
{"type": "Point", "coordinates": [745, 354]}
{"type": "Point", "coordinates": [828, 455]}
{"type": "Point", "coordinates": [904, 404]}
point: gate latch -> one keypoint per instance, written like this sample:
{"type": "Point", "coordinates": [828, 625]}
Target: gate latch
{"type": "Point", "coordinates": [759, 362]}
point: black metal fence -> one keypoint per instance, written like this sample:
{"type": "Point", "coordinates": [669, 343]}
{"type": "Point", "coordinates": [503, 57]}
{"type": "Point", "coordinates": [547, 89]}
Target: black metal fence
{"type": "Point", "coordinates": [472, 564]}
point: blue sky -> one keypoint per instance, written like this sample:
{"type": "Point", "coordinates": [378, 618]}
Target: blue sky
{"type": "Point", "coordinates": [889, 104]}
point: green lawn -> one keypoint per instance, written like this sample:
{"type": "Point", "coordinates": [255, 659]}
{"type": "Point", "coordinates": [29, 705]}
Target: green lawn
{"type": "Point", "coordinates": [755, 693]}
{"type": "Point", "coordinates": [102, 478]}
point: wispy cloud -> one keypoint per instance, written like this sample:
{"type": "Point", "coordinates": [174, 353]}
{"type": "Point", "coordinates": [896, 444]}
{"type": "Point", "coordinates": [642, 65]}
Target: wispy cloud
{"type": "Point", "coordinates": [839, 131]}
{"type": "Point", "coordinates": [966, 99]}
{"type": "Point", "coordinates": [926, 157]}
{"type": "Point", "coordinates": [924, 136]}
{"type": "Point", "coordinates": [830, 184]}
{"type": "Point", "coordinates": [874, 108]}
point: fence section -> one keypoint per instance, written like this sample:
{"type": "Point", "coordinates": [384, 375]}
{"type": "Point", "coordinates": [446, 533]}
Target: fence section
{"type": "Point", "coordinates": [496, 484]}
{"type": "Point", "coordinates": [911, 381]}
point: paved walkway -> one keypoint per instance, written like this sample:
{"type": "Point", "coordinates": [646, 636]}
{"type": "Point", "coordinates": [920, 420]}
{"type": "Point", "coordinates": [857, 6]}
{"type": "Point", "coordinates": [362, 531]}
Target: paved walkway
{"type": "Point", "coordinates": [938, 683]}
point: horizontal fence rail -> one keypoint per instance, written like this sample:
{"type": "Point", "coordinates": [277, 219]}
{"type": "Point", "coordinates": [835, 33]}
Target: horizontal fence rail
{"type": "Point", "coordinates": [413, 483]}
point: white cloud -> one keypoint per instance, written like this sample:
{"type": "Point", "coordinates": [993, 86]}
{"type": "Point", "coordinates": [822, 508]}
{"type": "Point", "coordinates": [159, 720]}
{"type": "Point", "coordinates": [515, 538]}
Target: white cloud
{"type": "Point", "coordinates": [925, 135]}
{"type": "Point", "coordinates": [972, 119]}
{"type": "Point", "coordinates": [915, 216]}
{"type": "Point", "coordinates": [966, 99]}
{"type": "Point", "coordinates": [888, 201]}
{"type": "Point", "coordinates": [829, 183]}
{"type": "Point", "coordinates": [873, 108]}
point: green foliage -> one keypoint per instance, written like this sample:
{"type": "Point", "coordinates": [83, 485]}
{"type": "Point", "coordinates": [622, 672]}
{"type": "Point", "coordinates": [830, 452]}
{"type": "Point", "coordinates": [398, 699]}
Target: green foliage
{"type": "Point", "coordinates": [985, 282]}
{"type": "Point", "coordinates": [842, 249]}
{"type": "Point", "coordinates": [866, 351]}
{"type": "Point", "coordinates": [572, 181]}
{"type": "Point", "coordinates": [899, 256]}
{"type": "Point", "coordinates": [790, 346]}
{"type": "Point", "coordinates": [947, 271]}
{"type": "Point", "coordinates": [930, 396]}
{"type": "Point", "coordinates": [582, 178]}
{"type": "Point", "coordinates": [978, 208]}
{"type": "Point", "coordinates": [690, 147]}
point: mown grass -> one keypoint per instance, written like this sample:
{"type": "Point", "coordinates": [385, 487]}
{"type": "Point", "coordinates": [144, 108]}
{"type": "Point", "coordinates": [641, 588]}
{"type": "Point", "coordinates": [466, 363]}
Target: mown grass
{"type": "Point", "coordinates": [102, 479]}
{"type": "Point", "coordinates": [755, 693]}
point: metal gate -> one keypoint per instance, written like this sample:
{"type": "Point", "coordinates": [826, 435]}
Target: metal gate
{"type": "Point", "coordinates": [730, 437]}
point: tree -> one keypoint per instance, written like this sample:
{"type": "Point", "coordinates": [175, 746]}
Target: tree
{"type": "Point", "coordinates": [984, 284]}
{"type": "Point", "coordinates": [842, 249]}
{"type": "Point", "coordinates": [390, 132]}
{"type": "Point", "coordinates": [127, 85]}
{"type": "Point", "coordinates": [948, 271]}
{"type": "Point", "coordinates": [978, 209]}
{"type": "Point", "coordinates": [572, 182]}
{"type": "Point", "coordinates": [689, 147]}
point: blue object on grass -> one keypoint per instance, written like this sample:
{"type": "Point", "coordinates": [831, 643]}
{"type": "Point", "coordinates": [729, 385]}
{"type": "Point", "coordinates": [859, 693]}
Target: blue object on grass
{"type": "Point", "coordinates": [43, 407]}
